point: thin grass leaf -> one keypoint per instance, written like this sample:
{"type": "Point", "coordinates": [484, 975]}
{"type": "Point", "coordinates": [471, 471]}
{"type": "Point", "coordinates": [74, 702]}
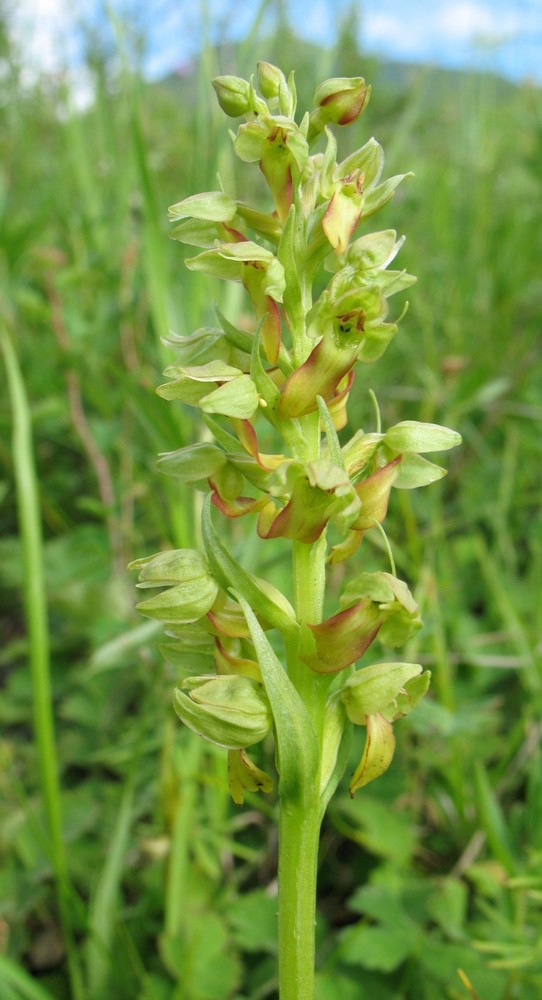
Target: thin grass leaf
{"type": "Point", "coordinates": [38, 633]}
{"type": "Point", "coordinates": [102, 916]}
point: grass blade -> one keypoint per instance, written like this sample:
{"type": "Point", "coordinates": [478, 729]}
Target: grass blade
{"type": "Point", "coordinates": [38, 637]}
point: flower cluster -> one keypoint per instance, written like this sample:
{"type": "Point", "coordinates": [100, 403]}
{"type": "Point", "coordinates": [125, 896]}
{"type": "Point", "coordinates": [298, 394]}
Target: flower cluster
{"type": "Point", "coordinates": [286, 379]}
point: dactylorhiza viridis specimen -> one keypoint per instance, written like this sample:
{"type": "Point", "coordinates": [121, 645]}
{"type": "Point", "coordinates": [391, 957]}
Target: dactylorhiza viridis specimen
{"type": "Point", "coordinates": [250, 660]}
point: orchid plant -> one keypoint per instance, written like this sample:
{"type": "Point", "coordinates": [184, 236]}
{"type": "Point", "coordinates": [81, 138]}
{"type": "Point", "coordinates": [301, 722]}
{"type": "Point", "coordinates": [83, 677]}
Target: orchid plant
{"type": "Point", "coordinates": [273, 395]}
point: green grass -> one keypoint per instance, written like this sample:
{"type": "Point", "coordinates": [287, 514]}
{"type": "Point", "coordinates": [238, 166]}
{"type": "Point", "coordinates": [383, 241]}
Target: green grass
{"type": "Point", "coordinates": [172, 886]}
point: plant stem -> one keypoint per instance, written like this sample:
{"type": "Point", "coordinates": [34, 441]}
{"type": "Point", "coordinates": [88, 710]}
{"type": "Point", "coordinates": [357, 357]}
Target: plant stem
{"type": "Point", "coordinates": [299, 831]}
{"type": "Point", "coordinates": [300, 817]}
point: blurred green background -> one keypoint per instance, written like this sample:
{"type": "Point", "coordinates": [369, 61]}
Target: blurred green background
{"type": "Point", "coordinates": [125, 871]}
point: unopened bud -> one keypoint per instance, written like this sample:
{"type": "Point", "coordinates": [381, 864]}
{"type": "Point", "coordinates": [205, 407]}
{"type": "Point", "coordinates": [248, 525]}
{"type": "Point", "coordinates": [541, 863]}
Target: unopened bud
{"type": "Point", "coordinates": [343, 99]}
{"type": "Point", "coordinates": [376, 688]}
{"type": "Point", "coordinates": [338, 101]}
{"type": "Point", "coordinates": [234, 95]}
{"type": "Point", "coordinates": [230, 710]}
{"type": "Point", "coordinates": [270, 79]}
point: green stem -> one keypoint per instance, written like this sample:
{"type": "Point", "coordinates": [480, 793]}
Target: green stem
{"type": "Point", "coordinates": [299, 822]}
{"type": "Point", "coordinates": [299, 831]}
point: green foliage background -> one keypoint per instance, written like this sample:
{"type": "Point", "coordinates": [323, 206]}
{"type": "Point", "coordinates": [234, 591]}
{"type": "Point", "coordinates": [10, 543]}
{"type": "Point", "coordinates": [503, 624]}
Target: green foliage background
{"type": "Point", "coordinates": [169, 890]}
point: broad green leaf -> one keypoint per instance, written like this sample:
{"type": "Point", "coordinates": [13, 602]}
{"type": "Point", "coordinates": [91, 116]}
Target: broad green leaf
{"type": "Point", "coordinates": [297, 745]}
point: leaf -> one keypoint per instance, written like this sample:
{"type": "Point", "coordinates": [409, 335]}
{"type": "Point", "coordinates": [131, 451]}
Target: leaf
{"type": "Point", "coordinates": [297, 744]}
{"type": "Point", "coordinates": [253, 918]}
{"type": "Point", "coordinates": [203, 957]}
{"type": "Point", "coordinates": [379, 948]}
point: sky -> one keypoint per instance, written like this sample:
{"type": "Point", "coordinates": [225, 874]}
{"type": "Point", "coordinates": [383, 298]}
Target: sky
{"type": "Point", "coordinates": [503, 35]}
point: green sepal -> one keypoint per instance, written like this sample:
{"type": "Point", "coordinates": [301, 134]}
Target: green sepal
{"type": "Point", "coordinates": [188, 659]}
{"type": "Point", "coordinates": [193, 464]}
{"type": "Point", "coordinates": [416, 471]}
{"type": "Point", "coordinates": [297, 744]}
{"type": "Point", "coordinates": [212, 371]}
{"type": "Point", "coordinates": [359, 451]}
{"type": "Point", "coordinates": [374, 251]}
{"type": "Point", "coordinates": [203, 345]}
{"type": "Point", "coordinates": [240, 339]}
{"type": "Point", "coordinates": [376, 689]}
{"type": "Point", "coordinates": [163, 569]}
{"type": "Point", "coordinates": [238, 398]}
{"type": "Point", "coordinates": [228, 262]}
{"type": "Point", "coordinates": [266, 388]}
{"type": "Point", "coordinates": [374, 494]}
{"type": "Point", "coordinates": [230, 710]}
{"type": "Point", "coordinates": [184, 603]}
{"type": "Point", "coordinates": [369, 160]}
{"type": "Point", "coordinates": [231, 574]}
{"type": "Point", "coordinates": [377, 197]}
{"type": "Point", "coordinates": [200, 233]}
{"type": "Point", "coordinates": [212, 206]}
{"type": "Point", "coordinates": [333, 443]}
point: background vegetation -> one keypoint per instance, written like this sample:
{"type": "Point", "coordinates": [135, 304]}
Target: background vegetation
{"type": "Point", "coordinates": [134, 877]}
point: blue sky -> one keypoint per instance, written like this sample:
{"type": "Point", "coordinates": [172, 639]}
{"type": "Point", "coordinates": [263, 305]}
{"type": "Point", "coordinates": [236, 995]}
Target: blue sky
{"type": "Point", "coordinates": [505, 35]}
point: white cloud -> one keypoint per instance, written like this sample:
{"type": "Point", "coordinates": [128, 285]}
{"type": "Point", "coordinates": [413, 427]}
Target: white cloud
{"type": "Point", "coordinates": [421, 28]}
{"type": "Point", "coordinates": [466, 21]}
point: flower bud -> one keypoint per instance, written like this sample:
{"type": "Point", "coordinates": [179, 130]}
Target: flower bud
{"type": "Point", "coordinates": [192, 590]}
{"type": "Point", "coordinates": [338, 101]}
{"type": "Point", "coordinates": [417, 437]}
{"type": "Point", "coordinates": [234, 95]}
{"type": "Point", "coordinates": [231, 711]}
{"type": "Point", "coordinates": [270, 80]}
{"type": "Point", "coordinates": [376, 689]}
